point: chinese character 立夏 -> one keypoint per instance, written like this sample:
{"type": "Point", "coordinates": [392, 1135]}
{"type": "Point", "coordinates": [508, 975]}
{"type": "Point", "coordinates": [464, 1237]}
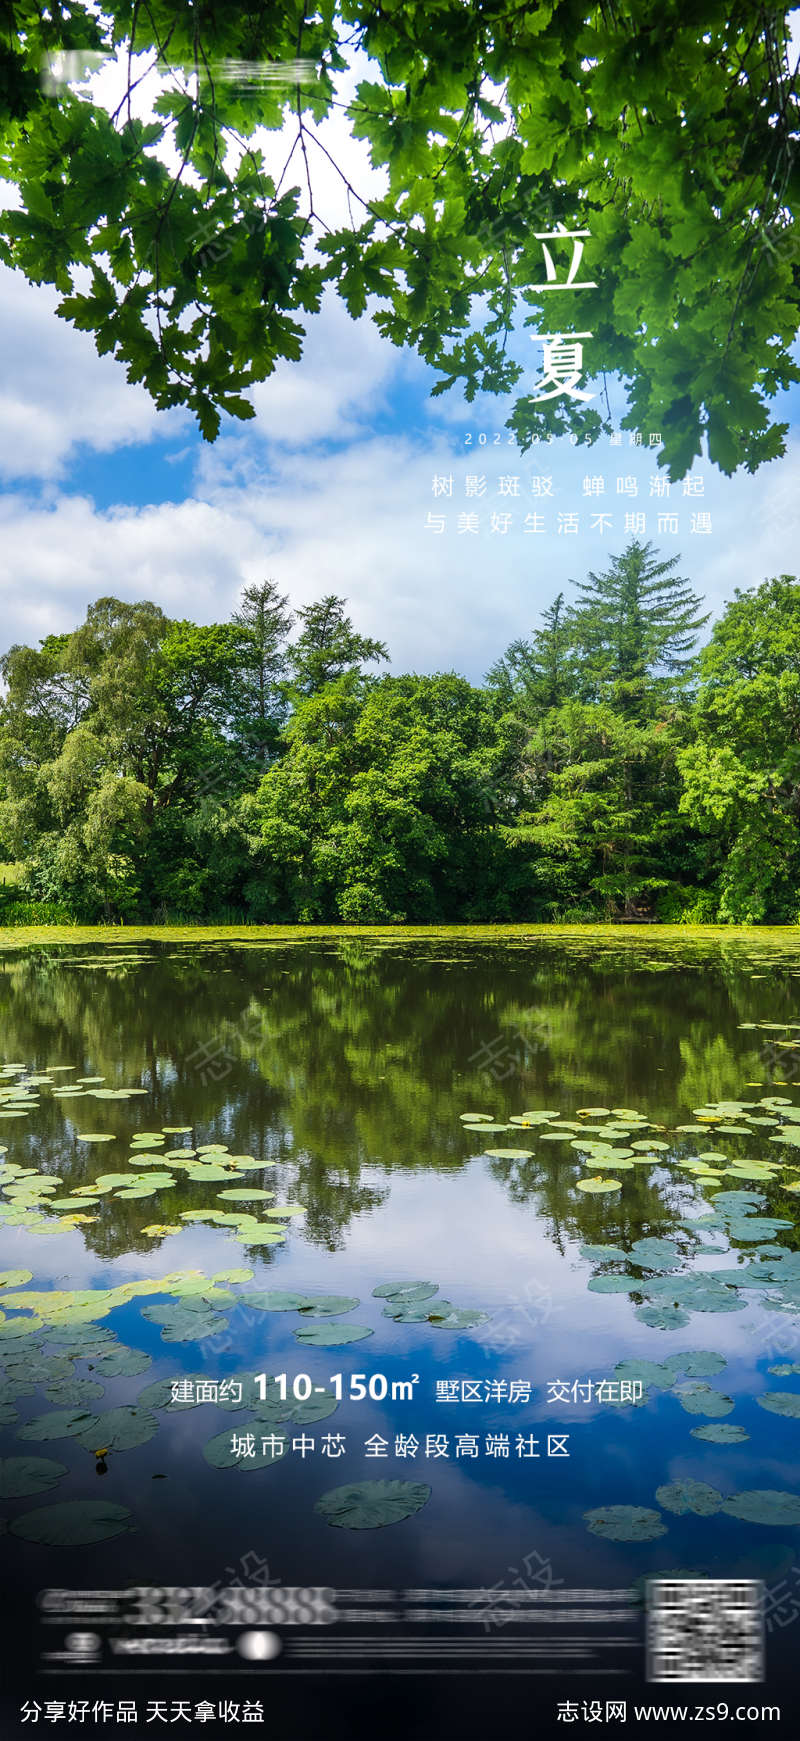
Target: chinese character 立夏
{"type": "Point", "coordinates": [562, 364]}
{"type": "Point", "coordinates": [570, 282]}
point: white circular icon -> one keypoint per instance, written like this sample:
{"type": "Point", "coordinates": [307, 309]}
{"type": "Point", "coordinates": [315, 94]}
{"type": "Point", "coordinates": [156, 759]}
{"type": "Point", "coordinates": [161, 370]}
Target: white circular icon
{"type": "Point", "coordinates": [258, 1646]}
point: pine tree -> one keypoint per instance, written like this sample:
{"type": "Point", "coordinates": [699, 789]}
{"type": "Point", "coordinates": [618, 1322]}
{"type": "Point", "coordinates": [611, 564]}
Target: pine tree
{"type": "Point", "coordinates": [328, 646]}
{"type": "Point", "coordinates": [262, 623]}
{"type": "Point", "coordinates": [536, 674]}
{"type": "Point", "coordinates": [635, 628]}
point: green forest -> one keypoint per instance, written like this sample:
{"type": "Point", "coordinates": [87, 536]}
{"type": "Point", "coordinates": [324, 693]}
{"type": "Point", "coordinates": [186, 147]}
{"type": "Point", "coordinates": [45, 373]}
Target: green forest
{"type": "Point", "coordinates": [620, 762]}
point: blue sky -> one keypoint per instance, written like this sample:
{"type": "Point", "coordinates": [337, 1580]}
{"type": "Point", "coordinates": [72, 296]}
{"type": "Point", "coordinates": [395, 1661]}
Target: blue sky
{"type": "Point", "coordinates": [330, 489]}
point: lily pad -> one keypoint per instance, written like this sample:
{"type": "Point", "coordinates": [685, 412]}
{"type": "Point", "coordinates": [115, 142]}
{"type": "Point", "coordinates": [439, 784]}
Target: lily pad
{"type": "Point", "coordinates": [663, 1317]}
{"type": "Point", "coordinates": [74, 1392]}
{"type": "Point", "coordinates": [613, 1284]}
{"type": "Point", "coordinates": [649, 1372]}
{"type": "Point", "coordinates": [372, 1504]}
{"type": "Point", "coordinates": [21, 1476]}
{"type": "Point", "coordinates": [655, 1253]}
{"type": "Point", "coordinates": [603, 1253]}
{"type": "Point", "coordinates": [191, 1320]}
{"type": "Point", "coordinates": [123, 1363]}
{"type": "Point", "coordinates": [119, 1429]}
{"type": "Point", "coordinates": [276, 1301]}
{"type": "Point", "coordinates": [254, 1236]}
{"type": "Point", "coordinates": [780, 1402]}
{"type": "Point", "coordinates": [12, 1388]}
{"type": "Point", "coordinates": [74, 1523]}
{"type": "Point", "coordinates": [763, 1505]}
{"type": "Point", "coordinates": [333, 1335]}
{"type": "Point", "coordinates": [329, 1305]}
{"type": "Point", "coordinates": [721, 1433]}
{"type": "Point", "coordinates": [702, 1400]}
{"type": "Point", "coordinates": [509, 1154]}
{"type": "Point", "coordinates": [246, 1194]}
{"type": "Point", "coordinates": [701, 1363]}
{"type": "Point", "coordinates": [406, 1292]}
{"type": "Point", "coordinates": [14, 1278]}
{"type": "Point", "coordinates": [625, 1523]}
{"type": "Point", "coordinates": [598, 1185]}
{"type": "Point", "coordinates": [457, 1318]}
{"type": "Point", "coordinates": [58, 1424]}
{"type": "Point", "coordinates": [686, 1495]}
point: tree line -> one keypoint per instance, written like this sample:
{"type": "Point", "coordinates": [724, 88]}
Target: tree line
{"type": "Point", "coordinates": [267, 769]}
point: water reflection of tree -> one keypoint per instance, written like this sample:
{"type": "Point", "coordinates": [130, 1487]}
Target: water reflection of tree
{"type": "Point", "coordinates": [640, 1208]}
{"type": "Point", "coordinates": [345, 1061]}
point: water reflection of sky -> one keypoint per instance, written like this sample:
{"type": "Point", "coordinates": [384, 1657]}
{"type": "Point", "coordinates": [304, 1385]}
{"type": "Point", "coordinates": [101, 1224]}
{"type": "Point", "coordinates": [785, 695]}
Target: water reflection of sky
{"type": "Point", "coordinates": [460, 1226]}
{"type": "Point", "coordinates": [554, 1329]}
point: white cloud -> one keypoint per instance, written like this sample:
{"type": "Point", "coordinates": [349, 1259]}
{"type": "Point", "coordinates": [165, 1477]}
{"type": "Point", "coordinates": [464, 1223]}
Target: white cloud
{"type": "Point", "coordinates": [57, 392]}
{"type": "Point", "coordinates": [352, 521]}
{"type": "Point", "coordinates": [188, 557]}
{"type": "Point", "coordinates": [309, 493]}
{"type": "Point", "coordinates": [338, 388]}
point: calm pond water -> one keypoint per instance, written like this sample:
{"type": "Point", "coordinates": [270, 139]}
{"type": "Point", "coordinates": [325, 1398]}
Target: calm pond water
{"type": "Point", "coordinates": [324, 1079]}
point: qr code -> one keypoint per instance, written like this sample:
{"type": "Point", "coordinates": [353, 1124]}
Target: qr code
{"type": "Point", "coordinates": [705, 1629]}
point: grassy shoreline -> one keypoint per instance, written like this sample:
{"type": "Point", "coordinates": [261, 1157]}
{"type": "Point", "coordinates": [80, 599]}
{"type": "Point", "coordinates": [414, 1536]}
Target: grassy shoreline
{"type": "Point", "coordinates": [633, 931]}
